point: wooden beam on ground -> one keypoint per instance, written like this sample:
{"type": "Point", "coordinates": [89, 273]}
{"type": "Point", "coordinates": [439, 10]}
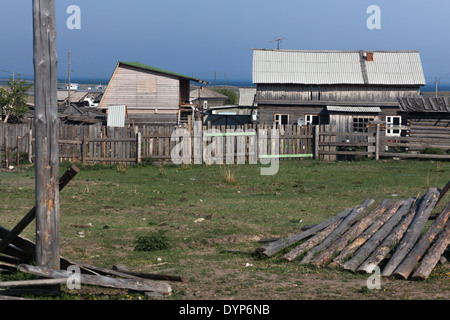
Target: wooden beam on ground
{"type": "Point", "coordinates": [278, 245]}
{"type": "Point", "coordinates": [343, 226]}
{"type": "Point", "coordinates": [413, 232]}
{"type": "Point", "coordinates": [311, 242]}
{"type": "Point", "coordinates": [386, 246]}
{"type": "Point", "coordinates": [151, 276]}
{"type": "Point", "coordinates": [407, 265]}
{"type": "Point", "coordinates": [433, 255]}
{"type": "Point", "coordinates": [369, 232]}
{"type": "Point", "coordinates": [29, 217]}
{"type": "Point", "coordinates": [443, 192]}
{"type": "Point", "coordinates": [29, 283]}
{"type": "Point", "coordinates": [103, 281]}
{"type": "Point", "coordinates": [364, 251]}
{"type": "Point", "coordinates": [353, 232]}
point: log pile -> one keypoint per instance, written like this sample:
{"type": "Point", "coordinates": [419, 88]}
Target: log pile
{"type": "Point", "coordinates": [392, 235]}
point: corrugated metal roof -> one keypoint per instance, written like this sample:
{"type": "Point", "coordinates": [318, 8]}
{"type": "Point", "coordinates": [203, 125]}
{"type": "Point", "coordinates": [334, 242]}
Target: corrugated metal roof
{"type": "Point", "coordinates": [116, 116]}
{"type": "Point", "coordinates": [355, 109]}
{"type": "Point", "coordinates": [336, 67]}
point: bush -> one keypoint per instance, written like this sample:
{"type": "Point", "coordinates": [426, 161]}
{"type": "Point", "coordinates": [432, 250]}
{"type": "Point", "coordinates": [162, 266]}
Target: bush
{"type": "Point", "coordinates": [433, 151]}
{"type": "Point", "coordinates": [152, 242]}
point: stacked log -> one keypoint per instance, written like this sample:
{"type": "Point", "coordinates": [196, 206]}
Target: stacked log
{"type": "Point", "coordinates": [394, 233]}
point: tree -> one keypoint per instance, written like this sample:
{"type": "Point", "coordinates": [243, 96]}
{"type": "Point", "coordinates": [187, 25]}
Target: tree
{"type": "Point", "coordinates": [13, 102]}
{"type": "Point", "coordinates": [232, 96]}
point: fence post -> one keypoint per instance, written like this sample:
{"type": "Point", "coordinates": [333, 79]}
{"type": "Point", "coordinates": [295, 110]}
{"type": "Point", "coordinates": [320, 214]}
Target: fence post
{"type": "Point", "coordinates": [316, 142]}
{"type": "Point", "coordinates": [138, 147]}
{"type": "Point", "coordinates": [377, 142]}
{"type": "Point", "coordinates": [18, 151]}
{"type": "Point", "coordinates": [5, 146]}
{"type": "Point", "coordinates": [30, 146]}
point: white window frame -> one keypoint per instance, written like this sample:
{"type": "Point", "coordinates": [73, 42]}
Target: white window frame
{"type": "Point", "coordinates": [278, 116]}
{"type": "Point", "coordinates": [309, 118]}
{"type": "Point", "coordinates": [390, 123]}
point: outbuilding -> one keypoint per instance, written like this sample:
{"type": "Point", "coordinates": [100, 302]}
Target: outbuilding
{"type": "Point", "coordinates": [151, 95]}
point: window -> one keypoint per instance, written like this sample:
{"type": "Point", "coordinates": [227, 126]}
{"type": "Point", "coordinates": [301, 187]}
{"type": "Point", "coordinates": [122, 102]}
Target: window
{"type": "Point", "coordinates": [311, 119]}
{"type": "Point", "coordinates": [281, 119]}
{"type": "Point", "coordinates": [393, 121]}
{"type": "Point", "coordinates": [360, 124]}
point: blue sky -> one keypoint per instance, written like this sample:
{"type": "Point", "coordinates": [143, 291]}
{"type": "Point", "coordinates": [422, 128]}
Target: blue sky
{"type": "Point", "coordinates": [199, 37]}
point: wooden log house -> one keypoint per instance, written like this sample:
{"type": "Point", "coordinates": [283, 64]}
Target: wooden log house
{"type": "Point", "coordinates": [347, 89]}
{"type": "Point", "coordinates": [152, 95]}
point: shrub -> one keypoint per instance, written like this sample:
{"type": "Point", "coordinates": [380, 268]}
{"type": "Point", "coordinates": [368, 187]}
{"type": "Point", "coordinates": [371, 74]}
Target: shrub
{"type": "Point", "coordinates": [152, 242]}
{"type": "Point", "coordinates": [433, 151]}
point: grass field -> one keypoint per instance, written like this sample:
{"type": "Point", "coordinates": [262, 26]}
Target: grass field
{"type": "Point", "coordinates": [212, 218]}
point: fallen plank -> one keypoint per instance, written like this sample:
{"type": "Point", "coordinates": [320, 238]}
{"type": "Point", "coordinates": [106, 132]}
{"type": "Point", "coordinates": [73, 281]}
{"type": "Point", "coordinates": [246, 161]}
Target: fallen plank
{"type": "Point", "coordinates": [369, 232]}
{"type": "Point", "coordinates": [278, 245]}
{"type": "Point", "coordinates": [371, 244]}
{"type": "Point", "coordinates": [353, 232]}
{"type": "Point", "coordinates": [20, 242]}
{"type": "Point", "coordinates": [311, 242]}
{"type": "Point", "coordinates": [15, 252]}
{"type": "Point", "coordinates": [29, 283]}
{"type": "Point", "coordinates": [443, 192]}
{"type": "Point", "coordinates": [103, 281]}
{"type": "Point", "coordinates": [413, 232]}
{"type": "Point", "coordinates": [25, 250]}
{"type": "Point", "coordinates": [433, 255]}
{"type": "Point", "coordinates": [143, 275]}
{"type": "Point", "coordinates": [343, 226]}
{"type": "Point", "coordinates": [407, 265]}
{"type": "Point", "coordinates": [386, 246]}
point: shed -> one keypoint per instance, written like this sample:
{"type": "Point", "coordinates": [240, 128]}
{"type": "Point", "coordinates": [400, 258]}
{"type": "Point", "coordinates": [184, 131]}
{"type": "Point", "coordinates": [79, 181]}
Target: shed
{"type": "Point", "coordinates": [427, 116]}
{"type": "Point", "coordinates": [152, 95]}
{"type": "Point", "coordinates": [303, 86]}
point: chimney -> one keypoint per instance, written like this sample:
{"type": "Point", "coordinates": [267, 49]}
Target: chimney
{"type": "Point", "coordinates": [369, 56]}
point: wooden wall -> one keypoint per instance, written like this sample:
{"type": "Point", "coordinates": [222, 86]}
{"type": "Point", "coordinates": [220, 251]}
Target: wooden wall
{"type": "Point", "coordinates": [141, 89]}
{"type": "Point", "coordinates": [272, 92]}
{"type": "Point", "coordinates": [266, 112]}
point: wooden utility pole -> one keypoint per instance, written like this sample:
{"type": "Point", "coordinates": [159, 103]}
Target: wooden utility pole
{"type": "Point", "coordinates": [46, 135]}
{"type": "Point", "coordinates": [68, 98]}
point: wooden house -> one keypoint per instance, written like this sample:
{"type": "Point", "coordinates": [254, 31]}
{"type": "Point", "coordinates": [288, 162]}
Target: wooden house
{"type": "Point", "coordinates": [427, 118]}
{"type": "Point", "coordinates": [347, 89]}
{"type": "Point", "coordinates": [151, 95]}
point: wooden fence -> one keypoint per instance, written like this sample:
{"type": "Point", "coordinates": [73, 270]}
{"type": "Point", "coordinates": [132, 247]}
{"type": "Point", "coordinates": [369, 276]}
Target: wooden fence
{"type": "Point", "coordinates": [91, 144]}
{"type": "Point", "coordinates": [333, 145]}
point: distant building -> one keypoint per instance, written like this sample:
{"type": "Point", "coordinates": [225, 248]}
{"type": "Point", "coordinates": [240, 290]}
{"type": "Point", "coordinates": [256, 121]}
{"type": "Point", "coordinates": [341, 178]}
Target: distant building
{"type": "Point", "coordinates": [152, 95]}
{"type": "Point", "coordinates": [348, 89]}
{"type": "Point", "coordinates": [212, 98]}
{"type": "Point", "coordinates": [247, 97]}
